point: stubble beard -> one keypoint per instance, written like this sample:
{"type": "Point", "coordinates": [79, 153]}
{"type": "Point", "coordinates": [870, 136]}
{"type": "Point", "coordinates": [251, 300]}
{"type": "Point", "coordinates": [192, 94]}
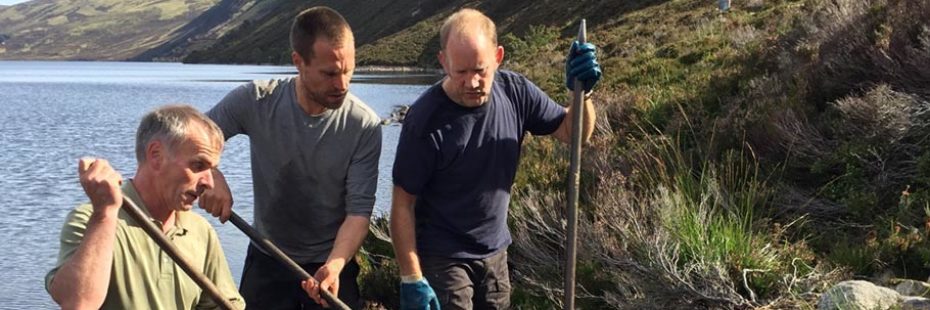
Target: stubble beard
{"type": "Point", "coordinates": [327, 101]}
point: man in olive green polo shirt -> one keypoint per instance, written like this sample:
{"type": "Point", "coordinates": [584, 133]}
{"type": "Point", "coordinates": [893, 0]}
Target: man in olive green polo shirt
{"type": "Point", "coordinates": [106, 259]}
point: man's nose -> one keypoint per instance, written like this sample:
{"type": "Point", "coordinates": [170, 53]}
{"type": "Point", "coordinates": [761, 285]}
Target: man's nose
{"type": "Point", "coordinates": [342, 82]}
{"type": "Point", "coordinates": [207, 179]}
{"type": "Point", "coordinates": [474, 81]}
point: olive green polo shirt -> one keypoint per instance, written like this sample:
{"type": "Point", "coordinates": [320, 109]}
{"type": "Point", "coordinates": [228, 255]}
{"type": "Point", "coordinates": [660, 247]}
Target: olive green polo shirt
{"type": "Point", "coordinates": [144, 276]}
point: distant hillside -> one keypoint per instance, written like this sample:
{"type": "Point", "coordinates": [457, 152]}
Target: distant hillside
{"type": "Point", "coordinates": [402, 33]}
{"type": "Point", "coordinates": [200, 32]}
{"type": "Point", "coordinates": [395, 33]}
{"type": "Point", "coordinates": [94, 29]}
{"type": "Point", "coordinates": [263, 38]}
{"type": "Point", "coordinates": [418, 45]}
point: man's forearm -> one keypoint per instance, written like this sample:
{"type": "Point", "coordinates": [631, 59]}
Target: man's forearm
{"type": "Point", "coordinates": [564, 132]}
{"type": "Point", "coordinates": [82, 282]}
{"type": "Point", "coordinates": [403, 235]}
{"type": "Point", "coordinates": [349, 239]}
{"type": "Point", "coordinates": [588, 121]}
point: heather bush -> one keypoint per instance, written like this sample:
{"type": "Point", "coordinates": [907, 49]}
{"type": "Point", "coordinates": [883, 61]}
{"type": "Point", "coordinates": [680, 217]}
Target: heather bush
{"type": "Point", "coordinates": [746, 159]}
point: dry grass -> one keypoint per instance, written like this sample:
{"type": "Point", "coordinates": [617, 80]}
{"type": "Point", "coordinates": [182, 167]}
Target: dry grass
{"type": "Point", "coordinates": [657, 232]}
{"type": "Point", "coordinates": [742, 160]}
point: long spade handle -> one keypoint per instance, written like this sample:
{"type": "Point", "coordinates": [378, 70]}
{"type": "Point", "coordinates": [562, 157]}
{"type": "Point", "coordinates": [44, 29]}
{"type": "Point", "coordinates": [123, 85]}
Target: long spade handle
{"type": "Point", "coordinates": [571, 242]}
{"type": "Point", "coordinates": [275, 252]}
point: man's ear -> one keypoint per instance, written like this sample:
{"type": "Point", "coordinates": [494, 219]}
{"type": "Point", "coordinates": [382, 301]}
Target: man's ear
{"type": "Point", "coordinates": [155, 153]}
{"type": "Point", "coordinates": [442, 61]}
{"type": "Point", "coordinates": [296, 59]}
{"type": "Point", "coordinates": [500, 54]}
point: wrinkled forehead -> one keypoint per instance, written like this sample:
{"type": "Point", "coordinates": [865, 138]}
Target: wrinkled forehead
{"type": "Point", "coordinates": [469, 51]}
{"type": "Point", "coordinates": [327, 52]}
{"type": "Point", "coordinates": [328, 48]}
{"type": "Point", "coordinates": [469, 38]}
{"type": "Point", "coordinates": [344, 40]}
{"type": "Point", "coordinates": [205, 142]}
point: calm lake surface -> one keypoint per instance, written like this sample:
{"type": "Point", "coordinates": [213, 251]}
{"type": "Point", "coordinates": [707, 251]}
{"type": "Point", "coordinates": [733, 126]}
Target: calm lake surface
{"type": "Point", "coordinates": [52, 113]}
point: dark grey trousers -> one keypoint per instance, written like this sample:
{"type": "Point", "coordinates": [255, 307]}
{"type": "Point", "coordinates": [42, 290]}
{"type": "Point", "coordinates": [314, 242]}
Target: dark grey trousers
{"type": "Point", "coordinates": [268, 284]}
{"type": "Point", "coordinates": [469, 283]}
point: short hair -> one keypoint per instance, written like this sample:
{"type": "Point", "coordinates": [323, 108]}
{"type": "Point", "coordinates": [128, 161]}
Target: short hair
{"type": "Point", "coordinates": [467, 20]}
{"type": "Point", "coordinates": [316, 22]}
{"type": "Point", "coordinates": [170, 124]}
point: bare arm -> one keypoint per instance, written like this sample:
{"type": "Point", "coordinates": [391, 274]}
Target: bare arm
{"type": "Point", "coordinates": [82, 282]}
{"type": "Point", "coordinates": [403, 234]}
{"type": "Point", "coordinates": [348, 240]}
{"type": "Point", "coordinates": [564, 132]}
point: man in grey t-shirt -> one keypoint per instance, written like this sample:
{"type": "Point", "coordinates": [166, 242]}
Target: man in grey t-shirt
{"type": "Point", "coordinates": [315, 150]}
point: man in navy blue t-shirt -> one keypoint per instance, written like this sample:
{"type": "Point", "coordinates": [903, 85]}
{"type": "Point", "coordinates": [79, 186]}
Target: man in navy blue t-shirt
{"type": "Point", "coordinates": [456, 160]}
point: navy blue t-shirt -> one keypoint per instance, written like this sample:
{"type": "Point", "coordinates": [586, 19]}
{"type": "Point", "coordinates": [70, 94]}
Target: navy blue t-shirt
{"type": "Point", "coordinates": [460, 163]}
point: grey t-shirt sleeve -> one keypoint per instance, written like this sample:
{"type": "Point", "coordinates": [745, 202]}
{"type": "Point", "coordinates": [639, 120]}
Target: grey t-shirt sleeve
{"type": "Point", "coordinates": [233, 112]}
{"type": "Point", "coordinates": [362, 177]}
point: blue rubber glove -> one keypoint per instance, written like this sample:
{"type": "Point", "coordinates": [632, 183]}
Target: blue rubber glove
{"type": "Point", "coordinates": [418, 296]}
{"type": "Point", "coordinates": [582, 63]}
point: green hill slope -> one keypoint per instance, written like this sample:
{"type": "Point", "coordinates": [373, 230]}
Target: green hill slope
{"type": "Point", "coordinates": [92, 29]}
{"type": "Point", "coordinates": [199, 32]}
{"type": "Point", "coordinates": [264, 37]}
{"type": "Point", "coordinates": [742, 159]}
{"type": "Point", "coordinates": [399, 33]}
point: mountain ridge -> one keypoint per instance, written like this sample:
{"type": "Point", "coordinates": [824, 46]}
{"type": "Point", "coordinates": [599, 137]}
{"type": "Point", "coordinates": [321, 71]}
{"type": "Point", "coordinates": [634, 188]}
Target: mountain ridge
{"type": "Point", "coordinates": [92, 29]}
{"type": "Point", "coordinates": [400, 33]}
{"type": "Point", "coordinates": [264, 39]}
{"type": "Point", "coordinates": [405, 33]}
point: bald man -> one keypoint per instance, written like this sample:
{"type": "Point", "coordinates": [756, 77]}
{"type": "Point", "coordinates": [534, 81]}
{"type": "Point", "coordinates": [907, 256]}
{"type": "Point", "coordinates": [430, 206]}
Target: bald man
{"type": "Point", "coordinates": [456, 160]}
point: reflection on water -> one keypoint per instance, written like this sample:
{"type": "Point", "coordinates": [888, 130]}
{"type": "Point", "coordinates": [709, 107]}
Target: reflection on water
{"type": "Point", "coordinates": [414, 79]}
{"type": "Point", "coordinates": [52, 113]}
